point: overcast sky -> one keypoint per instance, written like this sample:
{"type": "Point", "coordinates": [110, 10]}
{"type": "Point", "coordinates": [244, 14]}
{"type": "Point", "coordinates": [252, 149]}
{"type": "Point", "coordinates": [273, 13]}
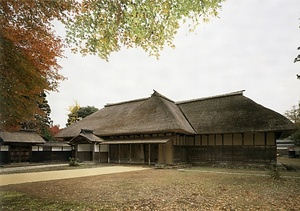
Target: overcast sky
{"type": "Point", "coordinates": [251, 46]}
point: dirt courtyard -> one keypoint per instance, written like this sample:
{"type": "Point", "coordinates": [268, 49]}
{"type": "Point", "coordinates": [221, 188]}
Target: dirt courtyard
{"type": "Point", "coordinates": [156, 189]}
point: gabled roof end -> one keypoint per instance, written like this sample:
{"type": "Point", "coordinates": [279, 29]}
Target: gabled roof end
{"type": "Point", "coordinates": [86, 131]}
{"type": "Point", "coordinates": [155, 93]}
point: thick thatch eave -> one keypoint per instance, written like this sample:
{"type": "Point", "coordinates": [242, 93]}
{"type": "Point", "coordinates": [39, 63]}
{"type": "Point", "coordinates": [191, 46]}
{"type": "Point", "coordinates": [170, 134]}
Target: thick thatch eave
{"type": "Point", "coordinates": [233, 113]}
{"type": "Point", "coordinates": [153, 115]}
{"type": "Point", "coordinates": [229, 113]}
{"type": "Point", "coordinates": [156, 114]}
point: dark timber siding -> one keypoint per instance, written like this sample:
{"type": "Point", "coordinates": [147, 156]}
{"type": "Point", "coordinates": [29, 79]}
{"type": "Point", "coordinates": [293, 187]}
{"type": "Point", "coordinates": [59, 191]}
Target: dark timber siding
{"type": "Point", "coordinates": [231, 154]}
{"type": "Point", "coordinates": [45, 156]}
{"type": "Point", "coordinates": [226, 148]}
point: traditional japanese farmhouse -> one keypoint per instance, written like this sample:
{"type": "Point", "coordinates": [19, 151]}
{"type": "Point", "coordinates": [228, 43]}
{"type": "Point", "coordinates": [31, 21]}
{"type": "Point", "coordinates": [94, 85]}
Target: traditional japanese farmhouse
{"type": "Point", "coordinates": [227, 128]}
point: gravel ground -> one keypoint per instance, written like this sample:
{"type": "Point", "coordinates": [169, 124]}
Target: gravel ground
{"type": "Point", "coordinates": [8, 169]}
{"type": "Point", "coordinates": [156, 189]}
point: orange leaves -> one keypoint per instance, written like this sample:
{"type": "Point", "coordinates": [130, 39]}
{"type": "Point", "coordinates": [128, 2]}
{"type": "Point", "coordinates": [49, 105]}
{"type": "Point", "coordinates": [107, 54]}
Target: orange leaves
{"type": "Point", "coordinates": [29, 52]}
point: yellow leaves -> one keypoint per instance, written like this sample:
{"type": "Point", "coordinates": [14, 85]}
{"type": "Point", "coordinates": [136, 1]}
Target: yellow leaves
{"type": "Point", "coordinates": [74, 108]}
{"type": "Point", "coordinates": [149, 24]}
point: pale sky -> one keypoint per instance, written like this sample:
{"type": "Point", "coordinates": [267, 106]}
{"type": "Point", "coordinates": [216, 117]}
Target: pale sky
{"type": "Point", "coordinates": [251, 46]}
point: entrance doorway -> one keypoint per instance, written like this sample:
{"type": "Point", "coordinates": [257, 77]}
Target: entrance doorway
{"type": "Point", "coordinates": [20, 154]}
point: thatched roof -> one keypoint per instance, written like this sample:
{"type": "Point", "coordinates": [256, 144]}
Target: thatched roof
{"type": "Point", "coordinates": [148, 115]}
{"type": "Point", "coordinates": [231, 113]}
{"type": "Point", "coordinates": [227, 113]}
{"type": "Point", "coordinates": [21, 137]}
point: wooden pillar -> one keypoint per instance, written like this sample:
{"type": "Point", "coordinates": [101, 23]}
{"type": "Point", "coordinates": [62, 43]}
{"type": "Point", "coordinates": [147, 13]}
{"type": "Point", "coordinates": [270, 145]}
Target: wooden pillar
{"type": "Point", "coordinates": [30, 153]}
{"type": "Point", "coordinates": [149, 154]}
{"type": "Point", "coordinates": [165, 160]}
{"type": "Point", "coordinates": [93, 154]}
{"type": "Point", "coordinates": [180, 151]}
{"type": "Point", "coordinates": [99, 154]}
{"type": "Point", "coordinates": [19, 153]}
{"type": "Point", "coordinates": [119, 153]}
{"type": "Point", "coordinates": [9, 153]}
{"type": "Point", "coordinates": [243, 139]}
{"type": "Point", "coordinates": [130, 153]}
{"type": "Point", "coordinates": [108, 154]}
{"type": "Point", "coordinates": [76, 151]}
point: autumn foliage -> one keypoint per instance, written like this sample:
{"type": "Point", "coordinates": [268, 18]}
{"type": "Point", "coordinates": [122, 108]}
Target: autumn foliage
{"type": "Point", "coordinates": [29, 47]}
{"type": "Point", "coordinates": [29, 51]}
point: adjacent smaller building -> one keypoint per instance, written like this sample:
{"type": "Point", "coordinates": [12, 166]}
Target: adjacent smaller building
{"type": "Point", "coordinates": [287, 148]}
{"type": "Point", "coordinates": [17, 146]}
{"type": "Point", "coordinates": [29, 146]}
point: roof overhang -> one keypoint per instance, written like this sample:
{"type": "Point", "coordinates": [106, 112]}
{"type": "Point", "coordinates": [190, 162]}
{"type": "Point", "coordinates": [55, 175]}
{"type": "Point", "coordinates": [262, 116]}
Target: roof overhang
{"type": "Point", "coordinates": [21, 137]}
{"type": "Point", "coordinates": [86, 138]}
{"type": "Point", "coordinates": [138, 141]}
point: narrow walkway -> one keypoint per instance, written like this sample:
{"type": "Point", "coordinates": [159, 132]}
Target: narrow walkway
{"type": "Point", "coordinates": [22, 168]}
{"type": "Point", "coordinates": [8, 179]}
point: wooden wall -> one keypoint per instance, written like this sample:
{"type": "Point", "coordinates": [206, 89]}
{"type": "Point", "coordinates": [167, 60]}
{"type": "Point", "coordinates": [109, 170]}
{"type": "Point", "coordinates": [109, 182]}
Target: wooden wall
{"type": "Point", "coordinates": [231, 154]}
{"type": "Point", "coordinates": [227, 148]}
{"type": "Point", "coordinates": [50, 156]}
{"type": "Point", "coordinates": [4, 154]}
{"type": "Point", "coordinates": [50, 153]}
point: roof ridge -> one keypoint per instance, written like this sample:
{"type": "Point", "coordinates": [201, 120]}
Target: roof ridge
{"type": "Point", "coordinates": [155, 93]}
{"type": "Point", "coordinates": [124, 102]}
{"type": "Point", "coordinates": [211, 97]}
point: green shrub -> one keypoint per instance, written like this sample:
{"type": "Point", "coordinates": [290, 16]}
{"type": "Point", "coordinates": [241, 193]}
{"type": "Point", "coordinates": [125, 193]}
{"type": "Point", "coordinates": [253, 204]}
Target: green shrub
{"type": "Point", "coordinates": [274, 171]}
{"type": "Point", "coordinates": [73, 162]}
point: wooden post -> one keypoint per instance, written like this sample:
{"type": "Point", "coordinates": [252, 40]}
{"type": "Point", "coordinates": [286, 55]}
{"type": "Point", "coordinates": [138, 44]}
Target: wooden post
{"type": "Point", "coordinates": [108, 154]}
{"type": "Point", "coordinates": [93, 154]}
{"type": "Point", "coordinates": [76, 151]}
{"type": "Point", "coordinates": [119, 153]}
{"type": "Point", "coordinates": [130, 153]}
{"type": "Point", "coordinates": [99, 154]}
{"type": "Point", "coordinates": [19, 153]}
{"type": "Point", "coordinates": [243, 139]}
{"type": "Point", "coordinates": [9, 153]}
{"type": "Point", "coordinates": [149, 154]}
{"type": "Point", "coordinates": [165, 160]}
{"type": "Point", "coordinates": [30, 153]}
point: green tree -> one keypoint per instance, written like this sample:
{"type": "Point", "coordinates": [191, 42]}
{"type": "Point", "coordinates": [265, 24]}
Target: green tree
{"type": "Point", "coordinates": [77, 113]}
{"type": "Point", "coordinates": [86, 111]}
{"type": "Point", "coordinates": [102, 27]}
{"type": "Point", "coordinates": [297, 59]}
{"type": "Point", "coordinates": [294, 116]}
{"type": "Point", "coordinates": [42, 121]}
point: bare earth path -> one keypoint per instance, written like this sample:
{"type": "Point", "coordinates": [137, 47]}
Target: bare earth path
{"type": "Point", "coordinates": [64, 174]}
